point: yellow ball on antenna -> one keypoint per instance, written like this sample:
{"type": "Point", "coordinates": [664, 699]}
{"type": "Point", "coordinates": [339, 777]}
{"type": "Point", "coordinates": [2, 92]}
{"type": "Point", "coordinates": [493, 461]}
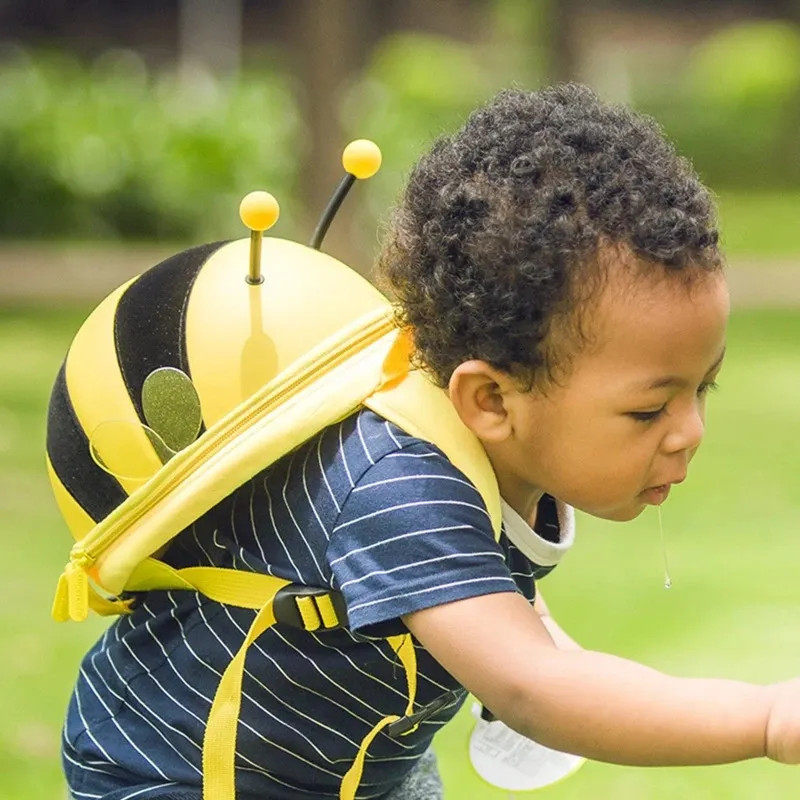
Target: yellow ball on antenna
{"type": "Point", "coordinates": [259, 211]}
{"type": "Point", "coordinates": [362, 158]}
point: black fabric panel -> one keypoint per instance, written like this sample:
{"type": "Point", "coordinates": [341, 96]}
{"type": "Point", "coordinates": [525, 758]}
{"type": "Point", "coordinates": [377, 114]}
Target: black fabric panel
{"type": "Point", "coordinates": [547, 524]}
{"type": "Point", "coordinates": [149, 325]}
{"type": "Point", "coordinates": [97, 492]}
{"type": "Point", "coordinates": [130, 791]}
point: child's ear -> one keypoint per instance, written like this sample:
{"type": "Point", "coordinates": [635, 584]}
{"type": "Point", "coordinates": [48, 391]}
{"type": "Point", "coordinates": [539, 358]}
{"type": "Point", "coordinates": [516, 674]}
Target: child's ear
{"type": "Point", "coordinates": [477, 390]}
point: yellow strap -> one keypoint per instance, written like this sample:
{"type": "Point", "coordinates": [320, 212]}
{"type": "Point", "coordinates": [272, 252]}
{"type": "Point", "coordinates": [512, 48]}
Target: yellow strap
{"type": "Point", "coordinates": [308, 613]}
{"type": "Point", "coordinates": [330, 619]}
{"type": "Point", "coordinates": [252, 590]}
{"type": "Point", "coordinates": [400, 401]}
{"type": "Point", "coordinates": [350, 782]}
{"type": "Point", "coordinates": [75, 595]}
{"type": "Point", "coordinates": [230, 586]}
{"type": "Point", "coordinates": [403, 646]}
{"type": "Point", "coordinates": [106, 607]}
{"type": "Point", "coordinates": [219, 742]}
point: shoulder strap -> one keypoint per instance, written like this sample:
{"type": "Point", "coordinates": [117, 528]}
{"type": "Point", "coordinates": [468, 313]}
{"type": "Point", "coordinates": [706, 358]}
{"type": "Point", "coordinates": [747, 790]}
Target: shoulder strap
{"type": "Point", "coordinates": [423, 410]}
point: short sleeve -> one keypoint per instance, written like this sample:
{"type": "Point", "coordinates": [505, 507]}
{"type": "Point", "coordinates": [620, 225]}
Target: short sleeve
{"type": "Point", "coordinates": [412, 534]}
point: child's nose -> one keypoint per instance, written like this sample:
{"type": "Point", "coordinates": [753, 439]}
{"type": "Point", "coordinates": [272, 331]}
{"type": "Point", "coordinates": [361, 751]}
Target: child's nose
{"type": "Point", "coordinates": [688, 431]}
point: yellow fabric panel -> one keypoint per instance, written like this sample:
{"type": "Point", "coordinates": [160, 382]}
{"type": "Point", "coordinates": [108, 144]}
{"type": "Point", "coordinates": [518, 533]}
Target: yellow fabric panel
{"type": "Point", "coordinates": [78, 521]}
{"type": "Point", "coordinates": [101, 402]}
{"type": "Point", "coordinates": [239, 337]}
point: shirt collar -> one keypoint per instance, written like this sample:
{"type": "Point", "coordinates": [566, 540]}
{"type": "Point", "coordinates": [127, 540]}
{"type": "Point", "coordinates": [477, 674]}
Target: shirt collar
{"type": "Point", "coordinates": [534, 547]}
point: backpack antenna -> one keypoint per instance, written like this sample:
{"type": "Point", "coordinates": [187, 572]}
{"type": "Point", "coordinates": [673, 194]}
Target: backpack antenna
{"type": "Point", "coordinates": [361, 159]}
{"type": "Point", "coordinates": [259, 211]}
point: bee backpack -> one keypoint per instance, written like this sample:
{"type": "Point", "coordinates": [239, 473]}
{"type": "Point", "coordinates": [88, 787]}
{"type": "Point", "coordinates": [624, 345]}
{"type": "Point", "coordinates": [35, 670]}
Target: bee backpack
{"type": "Point", "coordinates": [193, 377]}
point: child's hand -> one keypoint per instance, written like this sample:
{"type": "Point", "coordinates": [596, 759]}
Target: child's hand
{"type": "Point", "coordinates": [783, 726]}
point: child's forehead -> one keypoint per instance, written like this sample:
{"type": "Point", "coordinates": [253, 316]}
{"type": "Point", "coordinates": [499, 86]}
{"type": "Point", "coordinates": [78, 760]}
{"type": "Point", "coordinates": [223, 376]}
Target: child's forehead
{"type": "Point", "coordinates": [666, 323]}
{"type": "Point", "coordinates": [638, 293]}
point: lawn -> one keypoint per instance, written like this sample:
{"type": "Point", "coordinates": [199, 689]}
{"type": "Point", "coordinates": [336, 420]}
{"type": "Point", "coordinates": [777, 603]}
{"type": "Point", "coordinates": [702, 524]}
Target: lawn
{"type": "Point", "coordinates": [731, 535]}
{"type": "Point", "coordinates": [760, 224]}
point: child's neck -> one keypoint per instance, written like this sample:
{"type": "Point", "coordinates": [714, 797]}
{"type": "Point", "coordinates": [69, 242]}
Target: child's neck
{"type": "Point", "coordinates": [519, 494]}
{"type": "Point", "coordinates": [524, 502]}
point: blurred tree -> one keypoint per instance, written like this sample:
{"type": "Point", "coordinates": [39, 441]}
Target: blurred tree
{"type": "Point", "coordinates": [789, 138]}
{"type": "Point", "coordinates": [560, 16]}
{"type": "Point", "coordinates": [210, 33]}
{"type": "Point", "coordinates": [451, 18]}
{"type": "Point", "coordinates": [332, 40]}
{"type": "Point", "coordinates": [116, 148]}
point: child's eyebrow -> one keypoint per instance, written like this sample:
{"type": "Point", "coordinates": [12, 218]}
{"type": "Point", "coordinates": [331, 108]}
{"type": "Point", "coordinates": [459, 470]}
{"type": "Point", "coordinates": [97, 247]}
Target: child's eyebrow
{"type": "Point", "coordinates": [669, 381]}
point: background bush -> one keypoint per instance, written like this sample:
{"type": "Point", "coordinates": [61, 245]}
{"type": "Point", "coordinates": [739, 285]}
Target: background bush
{"type": "Point", "coordinates": [108, 150]}
{"type": "Point", "coordinates": [734, 108]}
{"type": "Point", "coordinates": [112, 150]}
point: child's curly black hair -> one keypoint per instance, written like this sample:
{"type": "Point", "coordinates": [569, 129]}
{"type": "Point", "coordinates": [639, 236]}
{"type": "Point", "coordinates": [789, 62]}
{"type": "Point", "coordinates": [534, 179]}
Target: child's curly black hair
{"type": "Point", "coordinates": [502, 227]}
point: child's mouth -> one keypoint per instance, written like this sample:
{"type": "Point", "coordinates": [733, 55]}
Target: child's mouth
{"type": "Point", "coordinates": [656, 495]}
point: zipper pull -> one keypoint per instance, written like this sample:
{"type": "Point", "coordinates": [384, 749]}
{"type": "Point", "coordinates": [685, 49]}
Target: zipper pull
{"type": "Point", "coordinates": [72, 592]}
{"type": "Point", "coordinates": [60, 610]}
{"type": "Point", "coordinates": [77, 591]}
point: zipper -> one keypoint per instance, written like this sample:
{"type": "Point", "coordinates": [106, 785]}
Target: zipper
{"type": "Point", "coordinates": [71, 601]}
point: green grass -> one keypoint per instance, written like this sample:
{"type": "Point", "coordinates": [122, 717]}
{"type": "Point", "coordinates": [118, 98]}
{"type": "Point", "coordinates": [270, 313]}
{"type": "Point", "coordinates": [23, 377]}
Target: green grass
{"type": "Point", "coordinates": [731, 534]}
{"type": "Point", "coordinates": [760, 224]}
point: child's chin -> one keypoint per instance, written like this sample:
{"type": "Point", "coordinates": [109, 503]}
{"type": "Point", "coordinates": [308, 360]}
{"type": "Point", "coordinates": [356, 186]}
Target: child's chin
{"type": "Point", "coordinates": [622, 514]}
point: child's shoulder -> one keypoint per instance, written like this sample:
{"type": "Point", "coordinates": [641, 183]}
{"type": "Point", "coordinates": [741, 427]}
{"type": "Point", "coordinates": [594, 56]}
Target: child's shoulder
{"type": "Point", "coordinates": [366, 438]}
{"type": "Point", "coordinates": [365, 451]}
{"type": "Point", "coordinates": [370, 462]}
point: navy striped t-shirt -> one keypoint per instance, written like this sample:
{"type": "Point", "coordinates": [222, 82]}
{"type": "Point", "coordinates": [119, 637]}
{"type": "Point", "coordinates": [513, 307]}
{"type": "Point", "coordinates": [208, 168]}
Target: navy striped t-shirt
{"type": "Point", "coordinates": [363, 508]}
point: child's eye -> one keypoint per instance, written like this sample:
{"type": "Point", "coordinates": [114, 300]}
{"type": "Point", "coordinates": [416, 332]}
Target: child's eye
{"type": "Point", "coordinates": [646, 416]}
{"type": "Point", "coordinates": [705, 388]}
{"type": "Point", "coordinates": [649, 416]}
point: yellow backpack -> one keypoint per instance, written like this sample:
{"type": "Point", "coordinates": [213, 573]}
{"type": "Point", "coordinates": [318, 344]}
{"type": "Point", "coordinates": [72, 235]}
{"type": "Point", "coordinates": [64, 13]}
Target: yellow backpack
{"type": "Point", "coordinates": [193, 377]}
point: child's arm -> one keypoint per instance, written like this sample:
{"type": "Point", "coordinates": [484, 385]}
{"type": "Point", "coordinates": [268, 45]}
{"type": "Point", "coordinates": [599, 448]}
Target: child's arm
{"type": "Point", "coordinates": [601, 706]}
{"type": "Point", "coordinates": [560, 638]}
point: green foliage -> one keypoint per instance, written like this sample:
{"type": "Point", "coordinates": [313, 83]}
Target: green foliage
{"type": "Point", "coordinates": [729, 111]}
{"type": "Point", "coordinates": [108, 150]}
{"type": "Point", "coordinates": [114, 150]}
{"type": "Point", "coordinates": [735, 108]}
{"type": "Point", "coordinates": [750, 66]}
{"type": "Point", "coordinates": [415, 88]}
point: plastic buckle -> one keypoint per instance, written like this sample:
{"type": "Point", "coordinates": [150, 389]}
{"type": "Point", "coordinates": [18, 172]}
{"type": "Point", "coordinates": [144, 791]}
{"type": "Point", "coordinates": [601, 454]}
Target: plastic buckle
{"type": "Point", "coordinates": [405, 724]}
{"type": "Point", "coordinates": [284, 605]}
